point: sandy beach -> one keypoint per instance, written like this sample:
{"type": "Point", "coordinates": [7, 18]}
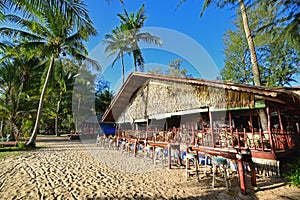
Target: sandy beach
{"type": "Point", "coordinates": [66, 169]}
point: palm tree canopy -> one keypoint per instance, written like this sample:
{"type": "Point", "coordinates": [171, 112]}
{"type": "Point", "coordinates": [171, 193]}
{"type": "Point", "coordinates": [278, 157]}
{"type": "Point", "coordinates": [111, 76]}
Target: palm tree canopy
{"type": "Point", "coordinates": [53, 33]}
{"type": "Point", "coordinates": [75, 10]}
{"type": "Point", "coordinates": [116, 44]}
{"type": "Point", "coordinates": [132, 23]}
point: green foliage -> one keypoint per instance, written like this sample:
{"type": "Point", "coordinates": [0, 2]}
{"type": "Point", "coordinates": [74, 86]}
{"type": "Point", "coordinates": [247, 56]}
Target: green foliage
{"type": "Point", "coordinates": [287, 16]}
{"type": "Point", "coordinates": [125, 38]}
{"type": "Point", "coordinates": [103, 96]}
{"type": "Point", "coordinates": [173, 70]}
{"type": "Point", "coordinates": [44, 31]}
{"type": "Point", "coordinates": [27, 128]}
{"type": "Point", "coordinates": [293, 175]}
{"type": "Point", "coordinates": [278, 59]}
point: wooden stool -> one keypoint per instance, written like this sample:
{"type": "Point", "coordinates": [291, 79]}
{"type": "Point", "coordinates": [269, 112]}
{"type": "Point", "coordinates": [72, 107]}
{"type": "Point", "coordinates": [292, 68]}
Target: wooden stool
{"type": "Point", "coordinates": [220, 162]}
{"type": "Point", "coordinates": [111, 144]}
{"type": "Point", "coordinates": [147, 150]}
{"type": "Point", "coordinates": [203, 160]}
{"type": "Point", "coordinates": [159, 153]}
{"type": "Point", "coordinates": [98, 140]}
{"type": "Point", "coordinates": [123, 146]}
{"type": "Point", "coordinates": [191, 157]}
{"type": "Point", "coordinates": [106, 143]}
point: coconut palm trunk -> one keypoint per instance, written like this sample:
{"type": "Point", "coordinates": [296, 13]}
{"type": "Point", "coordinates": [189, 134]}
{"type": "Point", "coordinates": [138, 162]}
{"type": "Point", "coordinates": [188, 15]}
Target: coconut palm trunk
{"type": "Point", "coordinates": [57, 133]}
{"type": "Point", "coordinates": [123, 67]}
{"type": "Point", "coordinates": [255, 68]}
{"type": "Point", "coordinates": [32, 139]}
{"type": "Point", "coordinates": [2, 127]}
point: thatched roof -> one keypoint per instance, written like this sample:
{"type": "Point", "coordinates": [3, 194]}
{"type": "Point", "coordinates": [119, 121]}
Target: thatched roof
{"type": "Point", "coordinates": [145, 95]}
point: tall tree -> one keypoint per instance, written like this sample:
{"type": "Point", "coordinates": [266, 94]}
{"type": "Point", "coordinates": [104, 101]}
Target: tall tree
{"type": "Point", "coordinates": [117, 43]}
{"type": "Point", "coordinates": [251, 46]}
{"type": "Point", "coordinates": [75, 10]}
{"type": "Point", "coordinates": [278, 61]}
{"type": "Point", "coordinates": [16, 72]}
{"type": "Point", "coordinates": [53, 34]}
{"type": "Point", "coordinates": [255, 68]}
{"type": "Point", "coordinates": [60, 88]}
{"type": "Point", "coordinates": [133, 23]}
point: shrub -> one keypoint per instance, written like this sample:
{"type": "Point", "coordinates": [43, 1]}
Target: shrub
{"type": "Point", "coordinates": [294, 173]}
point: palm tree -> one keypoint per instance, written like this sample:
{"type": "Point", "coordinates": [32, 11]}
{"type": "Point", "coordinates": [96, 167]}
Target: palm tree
{"type": "Point", "coordinates": [72, 9]}
{"type": "Point", "coordinates": [117, 43]}
{"type": "Point", "coordinates": [14, 75]}
{"type": "Point", "coordinates": [133, 23]}
{"type": "Point", "coordinates": [53, 34]}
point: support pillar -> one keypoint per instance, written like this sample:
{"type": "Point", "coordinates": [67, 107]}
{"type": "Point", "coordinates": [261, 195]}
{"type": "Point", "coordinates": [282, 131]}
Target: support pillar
{"type": "Point", "coordinates": [211, 128]}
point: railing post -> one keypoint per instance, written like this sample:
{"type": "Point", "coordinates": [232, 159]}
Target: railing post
{"type": "Point", "coordinates": [261, 140]}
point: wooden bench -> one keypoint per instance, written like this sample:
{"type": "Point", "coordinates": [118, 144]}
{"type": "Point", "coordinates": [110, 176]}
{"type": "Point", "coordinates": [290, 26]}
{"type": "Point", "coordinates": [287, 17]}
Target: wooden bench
{"type": "Point", "coordinates": [8, 144]}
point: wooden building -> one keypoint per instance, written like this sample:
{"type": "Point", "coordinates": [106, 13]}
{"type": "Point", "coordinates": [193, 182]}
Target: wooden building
{"type": "Point", "coordinates": [209, 113]}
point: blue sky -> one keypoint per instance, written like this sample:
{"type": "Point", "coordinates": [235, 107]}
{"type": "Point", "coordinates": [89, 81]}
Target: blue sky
{"type": "Point", "coordinates": [183, 25]}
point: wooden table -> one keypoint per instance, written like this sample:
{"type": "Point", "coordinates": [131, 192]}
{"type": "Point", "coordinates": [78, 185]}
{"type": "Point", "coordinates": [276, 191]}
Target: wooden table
{"type": "Point", "coordinates": [169, 147]}
{"type": "Point", "coordinates": [237, 155]}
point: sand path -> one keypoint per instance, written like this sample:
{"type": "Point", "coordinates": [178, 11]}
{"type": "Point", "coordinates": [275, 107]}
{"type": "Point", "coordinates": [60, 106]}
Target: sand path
{"type": "Point", "coordinates": [72, 170]}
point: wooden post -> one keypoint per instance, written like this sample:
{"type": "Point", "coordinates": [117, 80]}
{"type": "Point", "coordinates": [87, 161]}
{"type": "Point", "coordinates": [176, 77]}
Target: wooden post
{"type": "Point", "coordinates": [193, 135]}
{"type": "Point", "coordinates": [253, 174]}
{"type": "Point", "coordinates": [211, 128]}
{"type": "Point", "coordinates": [261, 140]}
{"type": "Point", "coordinates": [252, 130]}
{"type": "Point", "coordinates": [241, 175]}
{"type": "Point", "coordinates": [135, 147]}
{"type": "Point", "coordinates": [270, 131]}
{"type": "Point", "coordinates": [238, 138]}
{"type": "Point", "coordinates": [280, 120]}
{"type": "Point", "coordinates": [231, 128]}
{"type": "Point", "coordinates": [169, 156]}
{"type": "Point", "coordinates": [245, 138]}
{"type": "Point", "coordinates": [132, 128]}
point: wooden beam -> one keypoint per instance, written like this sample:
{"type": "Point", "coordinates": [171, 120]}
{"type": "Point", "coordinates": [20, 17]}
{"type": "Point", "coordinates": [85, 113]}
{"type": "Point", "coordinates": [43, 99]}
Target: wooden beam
{"type": "Point", "coordinates": [211, 128]}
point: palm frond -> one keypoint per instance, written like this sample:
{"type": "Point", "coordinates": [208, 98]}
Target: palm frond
{"type": "Point", "coordinates": [148, 38]}
{"type": "Point", "coordinates": [19, 34]}
{"type": "Point", "coordinates": [32, 25]}
{"type": "Point", "coordinates": [74, 10]}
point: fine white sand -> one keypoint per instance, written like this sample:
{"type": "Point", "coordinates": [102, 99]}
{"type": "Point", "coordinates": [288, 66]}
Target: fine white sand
{"type": "Point", "coordinates": [72, 170]}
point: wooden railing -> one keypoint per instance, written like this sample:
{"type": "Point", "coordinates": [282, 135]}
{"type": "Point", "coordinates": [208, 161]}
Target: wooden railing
{"type": "Point", "coordinates": [223, 138]}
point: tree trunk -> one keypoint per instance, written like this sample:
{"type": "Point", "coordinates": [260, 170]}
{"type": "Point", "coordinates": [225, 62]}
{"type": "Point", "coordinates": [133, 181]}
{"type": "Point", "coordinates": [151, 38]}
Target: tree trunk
{"type": "Point", "coordinates": [33, 136]}
{"type": "Point", "coordinates": [56, 117]}
{"type": "Point", "coordinates": [76, 115]}
{"type": "Point", "coordinates": [13, 130]}
{"type": "Point", "coordinates": [134, 61]}
{"type": "Point", "coordinates": [2, 126]}
{"type": "Point", "coordinates": [123, 68]}
{"type": "Point", "coordinates": [255, 68]}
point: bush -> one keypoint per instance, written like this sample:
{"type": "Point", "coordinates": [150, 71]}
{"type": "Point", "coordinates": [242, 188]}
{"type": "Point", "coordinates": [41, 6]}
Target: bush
{"type": "Point", "coordinates": [294, 173]}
